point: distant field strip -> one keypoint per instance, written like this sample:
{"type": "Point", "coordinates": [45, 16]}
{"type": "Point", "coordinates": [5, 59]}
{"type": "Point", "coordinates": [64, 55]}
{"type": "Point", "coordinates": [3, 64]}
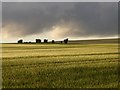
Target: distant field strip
{"type": "Point", "coordinates": [60, 65]}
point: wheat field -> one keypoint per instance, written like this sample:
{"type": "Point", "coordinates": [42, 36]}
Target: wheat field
{"type": "Point", "coordinates": [60, 65]}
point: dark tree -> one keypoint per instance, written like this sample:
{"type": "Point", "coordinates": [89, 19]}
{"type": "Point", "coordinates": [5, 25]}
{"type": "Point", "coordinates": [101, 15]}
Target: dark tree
{"type": "Point", "coordinates": [25, 42]}
{"type": "Point", "coordinates": [45, 40]}
{"type": "Point", "coordinates": [66, 41]}
{"type": "Point", "coordinates": [38, 41]}
{"type": "Point", "coordinates": [53, 41]}
{"type": "Point", "coordinates": [20, 41]}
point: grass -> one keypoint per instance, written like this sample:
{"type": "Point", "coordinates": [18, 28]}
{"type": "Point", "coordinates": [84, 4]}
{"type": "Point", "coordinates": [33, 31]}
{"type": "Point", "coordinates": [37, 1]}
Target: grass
{"type": "Point", "coordinates": [60, 65]}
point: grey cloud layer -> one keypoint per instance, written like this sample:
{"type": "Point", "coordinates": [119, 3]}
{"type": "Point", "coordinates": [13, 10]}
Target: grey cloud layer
{"type": "Point", "coordinates": [98, 19]}
{"type": "Point", "coordinates": [60, 0]}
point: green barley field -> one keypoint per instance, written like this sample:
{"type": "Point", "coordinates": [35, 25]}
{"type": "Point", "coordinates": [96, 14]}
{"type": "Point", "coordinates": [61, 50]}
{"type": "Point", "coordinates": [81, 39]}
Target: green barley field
{"type": "Point", "coordinates": [78, 64]}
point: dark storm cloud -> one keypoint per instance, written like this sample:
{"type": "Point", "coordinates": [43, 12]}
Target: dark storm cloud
{"type": "Point", "coordinates": [87, 19]}
{"type": "Point", "coordinates": [97, 18]}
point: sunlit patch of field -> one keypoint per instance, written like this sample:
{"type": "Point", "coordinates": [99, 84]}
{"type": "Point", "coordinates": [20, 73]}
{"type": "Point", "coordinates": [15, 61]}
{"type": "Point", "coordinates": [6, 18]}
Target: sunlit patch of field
{"type": "Point", "coordinates": [60, 65]}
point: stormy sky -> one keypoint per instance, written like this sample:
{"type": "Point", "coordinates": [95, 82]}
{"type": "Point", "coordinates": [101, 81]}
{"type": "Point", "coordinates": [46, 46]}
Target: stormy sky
{"type": "Point", "coordinates": [59, 20]}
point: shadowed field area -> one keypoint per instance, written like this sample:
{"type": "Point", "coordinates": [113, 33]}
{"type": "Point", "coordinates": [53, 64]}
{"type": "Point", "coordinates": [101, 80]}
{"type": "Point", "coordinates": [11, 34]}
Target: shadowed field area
{"type": "Point", "coordinates": [73, 65]}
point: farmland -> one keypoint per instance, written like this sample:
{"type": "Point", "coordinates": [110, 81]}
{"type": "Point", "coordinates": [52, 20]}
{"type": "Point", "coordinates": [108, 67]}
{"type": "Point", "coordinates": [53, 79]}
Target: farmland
{"type": "Point", "coordinates": [73, 65]}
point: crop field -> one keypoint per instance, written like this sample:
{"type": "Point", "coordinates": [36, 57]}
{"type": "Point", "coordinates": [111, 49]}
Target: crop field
{"type": "Point", "coordinates": [60, 65]}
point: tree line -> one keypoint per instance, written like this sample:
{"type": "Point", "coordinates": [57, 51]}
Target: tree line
{"type": "Point", "coordinates": [45, 41]}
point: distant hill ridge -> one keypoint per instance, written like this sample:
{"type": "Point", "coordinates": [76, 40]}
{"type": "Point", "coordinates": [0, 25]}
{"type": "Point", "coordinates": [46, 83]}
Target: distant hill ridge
{"type": "Point", "coordinates": [95, 41]}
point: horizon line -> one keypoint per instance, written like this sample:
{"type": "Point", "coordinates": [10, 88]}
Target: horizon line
{"type": "Point", "coordinates": [69, 40]}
